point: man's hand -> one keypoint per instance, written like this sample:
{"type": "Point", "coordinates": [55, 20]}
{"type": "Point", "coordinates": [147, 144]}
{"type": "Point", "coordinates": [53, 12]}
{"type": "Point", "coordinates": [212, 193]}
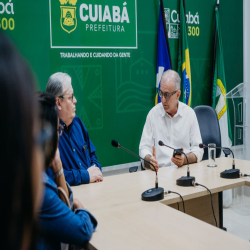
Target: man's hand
{"type": "Point", "coordinates": [179, 160]}
{"type": "Point", "coordinates": [95, 174]}
{"type": "Point", "coordinates": [153, 160]}
{"type": "Point", "coordinates": [76, 204]}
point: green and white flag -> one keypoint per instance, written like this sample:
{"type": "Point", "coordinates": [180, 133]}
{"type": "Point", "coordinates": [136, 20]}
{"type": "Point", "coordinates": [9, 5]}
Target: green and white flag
{"type": "Point", "coordinates": [220, 90]}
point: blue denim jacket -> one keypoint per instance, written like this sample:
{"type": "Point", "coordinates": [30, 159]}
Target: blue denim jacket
{"type": "Point", "coordinates": [57, 223]}
{"type": "Point", "coordinates": [77, 152]}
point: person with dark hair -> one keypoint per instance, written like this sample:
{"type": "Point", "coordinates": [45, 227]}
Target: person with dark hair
{"type": "Point", "coordinates": [21, 157]}
{"type": "Point", "coordinates": [57, 222]}
{"type": "Point", "coordinates": [78, 155]}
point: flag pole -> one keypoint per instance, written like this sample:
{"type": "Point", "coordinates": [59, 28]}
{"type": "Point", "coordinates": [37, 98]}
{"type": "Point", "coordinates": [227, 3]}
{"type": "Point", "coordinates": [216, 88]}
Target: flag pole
{"type": "Point", "coordinates": [184, 7]}
{"type": "Point", "coordinates": [214, 58]}
{"type": "Point", "coordinates": [165, 30]}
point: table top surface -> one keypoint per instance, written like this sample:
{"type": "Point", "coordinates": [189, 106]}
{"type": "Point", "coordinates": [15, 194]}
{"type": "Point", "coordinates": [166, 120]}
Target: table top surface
{"type": "Point", "coordinates": [127, 222]}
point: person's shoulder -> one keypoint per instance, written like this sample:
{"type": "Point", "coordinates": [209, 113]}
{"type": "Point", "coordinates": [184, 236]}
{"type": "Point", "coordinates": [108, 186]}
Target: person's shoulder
{"type": "Point", "coordinates": [157, 109]}
{"type": "Point", "coordinates": [185, 108]}
{"type": "Point", "coordinates": [79, 122]}
{"type": "Point", "coordinates": [77, 119]}
{"type": "Point", "coordinates": [48, 182]}
{"type": "Point", "coordinates": [50, 194]}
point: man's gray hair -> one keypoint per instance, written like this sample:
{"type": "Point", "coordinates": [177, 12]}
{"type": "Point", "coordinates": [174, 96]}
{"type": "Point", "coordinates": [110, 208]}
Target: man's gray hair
{"type": "Point", "coordinates": [172, 76]}
{"type": "Point", "coordinates": [58, 83]}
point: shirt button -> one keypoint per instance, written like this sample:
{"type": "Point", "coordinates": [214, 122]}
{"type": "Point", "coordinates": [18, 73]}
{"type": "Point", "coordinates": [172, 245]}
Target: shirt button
{"type": "Point", "coordinates": [74, 150]}
{"type": "Point", "coordinates": [80, 163]}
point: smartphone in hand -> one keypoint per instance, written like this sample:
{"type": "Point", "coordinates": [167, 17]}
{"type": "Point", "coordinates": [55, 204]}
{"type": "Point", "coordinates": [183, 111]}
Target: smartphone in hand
{"type": "Point", "coordinates": [177, 152]}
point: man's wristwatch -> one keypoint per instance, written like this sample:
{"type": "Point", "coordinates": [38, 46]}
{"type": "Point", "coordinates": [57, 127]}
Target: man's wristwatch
{"type": "Point", "coordinates": [57, 174]}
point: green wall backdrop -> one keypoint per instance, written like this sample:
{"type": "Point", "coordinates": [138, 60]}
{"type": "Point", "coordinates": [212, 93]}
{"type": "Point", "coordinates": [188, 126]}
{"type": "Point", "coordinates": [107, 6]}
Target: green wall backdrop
{"type": "Point", "coordinates": [114, 94]}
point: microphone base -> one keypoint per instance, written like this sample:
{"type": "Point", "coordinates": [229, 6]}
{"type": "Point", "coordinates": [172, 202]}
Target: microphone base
{"type": "Point", "coordinates": [153, 194]}
{"type": "Point", "coordinates": [230, 174]}
{"type": "Point", "coordinates": [185, 181]}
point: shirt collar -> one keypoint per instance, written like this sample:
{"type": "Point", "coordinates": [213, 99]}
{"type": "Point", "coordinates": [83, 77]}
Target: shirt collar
{"type": "Point", "coordinates": [179, 110]}
{"type": "Point", "coordinates": [162, 111]}
{"type": "Point", "coordinates": [63, 123]}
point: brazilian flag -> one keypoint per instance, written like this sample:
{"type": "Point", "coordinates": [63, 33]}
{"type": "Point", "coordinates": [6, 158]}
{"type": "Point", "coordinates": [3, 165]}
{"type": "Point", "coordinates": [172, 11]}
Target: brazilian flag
{"type": "Point", "coordinates": [219, 102]}
{"type": "Point", "coordinates": [183, 58]}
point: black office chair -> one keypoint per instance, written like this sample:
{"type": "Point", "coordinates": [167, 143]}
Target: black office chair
{"type": "Point", "coordinates": [209, 128]}
{"type": "Point", "coordinates": [134, 169]}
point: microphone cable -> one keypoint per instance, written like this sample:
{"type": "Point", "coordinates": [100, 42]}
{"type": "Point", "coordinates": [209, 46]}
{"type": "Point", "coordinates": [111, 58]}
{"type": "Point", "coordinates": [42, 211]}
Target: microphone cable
{"type": "Point", "coordinates": [244, 175]}
{"type": "Point", "coordinates": [197, 184]}
{"type": "Point", "coordinates": [169, 192]}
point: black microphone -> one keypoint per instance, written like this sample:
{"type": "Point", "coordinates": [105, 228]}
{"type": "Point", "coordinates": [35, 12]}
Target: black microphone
{"type": "Point", "coordinates": [176, 150]}
{"type": "Point", "coordinates": [117, 145]}
{"type": "Point", "coordinates": [185, 181]}
{"type": "Point", "coordinates": [153, 194]}
{"type": "Point", "coordinates": [228, 173]}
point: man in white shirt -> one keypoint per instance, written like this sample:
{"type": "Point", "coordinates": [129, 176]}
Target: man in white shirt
{"type": "Point", "coordinates": [172, 122]}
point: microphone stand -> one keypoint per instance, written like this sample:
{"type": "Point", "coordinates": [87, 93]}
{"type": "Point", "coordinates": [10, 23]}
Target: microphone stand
{"type": "Point", "coordinates": [184, 181]}
{"type": "Point", "coordinates": [153, 194]}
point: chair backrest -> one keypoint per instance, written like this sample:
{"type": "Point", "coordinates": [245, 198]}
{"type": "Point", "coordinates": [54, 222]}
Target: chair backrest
{"type": "Point", "coordinates": [209, 127]}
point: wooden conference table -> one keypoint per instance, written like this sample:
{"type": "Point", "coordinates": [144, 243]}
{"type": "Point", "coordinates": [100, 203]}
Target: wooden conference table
{"type": "Point", "coordinates": [127, 222]}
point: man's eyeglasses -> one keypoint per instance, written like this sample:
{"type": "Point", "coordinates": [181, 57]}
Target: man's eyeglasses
{"type": "Point", "coordinates": [66, 96]}
{"type": "Point", "coordinates": [166, 95]}
{"type": "Point", "coordinates": [60, 129]}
